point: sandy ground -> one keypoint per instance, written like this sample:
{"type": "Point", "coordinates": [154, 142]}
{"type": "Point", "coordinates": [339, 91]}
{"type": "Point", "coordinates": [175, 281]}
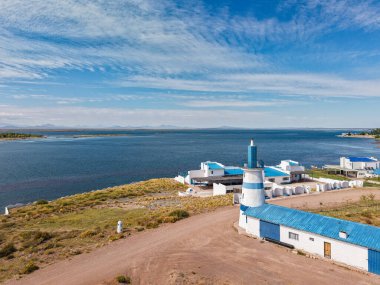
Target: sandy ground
{"type": "Point", "coordinates": [329, 198]}
{"type": "Point", "coordinates": [203, 249]}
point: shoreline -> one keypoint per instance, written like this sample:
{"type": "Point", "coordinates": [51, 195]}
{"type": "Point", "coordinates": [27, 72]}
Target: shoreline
{"type": "Point", "coordinates": [97, 135]}
{"type": "Point", "coordinates": [67, 136]}
{"type": "Point", "coordinates": [357, 136]}
{"type": "Point", "coordinates": [19, 139]}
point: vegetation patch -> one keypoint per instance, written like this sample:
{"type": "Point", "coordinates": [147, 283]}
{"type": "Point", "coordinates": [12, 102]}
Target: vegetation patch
{"type": "Point", "coordinates": [7, 250]}
{"type": "Point", "coordinates": [13, 136]}
{"type": "Point", "coordinates": [123, 279]}
{"type": "Point", "coordinates": [323, 173]}
{"type": "Point", "coordinates": [29, 268]}
{"type": "Point", "coordinates": [366, 211]}
{"type": "Point", "coordinates": [52, 231]}
{"type": "Point", "coordinates": [179, 214]}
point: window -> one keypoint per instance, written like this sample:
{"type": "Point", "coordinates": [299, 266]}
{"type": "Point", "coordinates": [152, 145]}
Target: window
{"type": "Point", "coordinates": [293, 236]}
{"type": "Point", "coordinates": [343, 235]}
{"type": "Point", "coordinates": [271, 179]}
{"type": "Point", "coordinates": [310, 238]}
{"type": "Point", "coordinates": [212, 172]}
{"type": "Point", "coordinates": [285, 179]}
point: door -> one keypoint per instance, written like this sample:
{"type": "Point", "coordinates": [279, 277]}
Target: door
{"type": "Point", "coordinates": [374, 261]}
{"type": "Point", "coordinates": [269, 230]}
{"type": "Point", "coordinates": [327, 250]}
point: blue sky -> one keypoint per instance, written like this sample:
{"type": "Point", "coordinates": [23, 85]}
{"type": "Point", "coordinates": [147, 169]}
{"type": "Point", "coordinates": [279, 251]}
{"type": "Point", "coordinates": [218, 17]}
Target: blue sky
{"type": "Point", "coordinates": [256, 64]}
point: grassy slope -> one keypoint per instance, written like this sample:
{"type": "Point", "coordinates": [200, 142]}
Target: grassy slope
{"type": "Point", "coordinates": [366, 211]}
{"type": "Point", "coordinates": [68, 226]}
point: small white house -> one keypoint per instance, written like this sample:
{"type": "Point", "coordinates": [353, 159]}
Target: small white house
{"type": "Point", "coordinates": [359, 163]}
{"type": "Point", "coordinates": [295, 170]}
{"type": "Point", "coordinates": [208, 169]}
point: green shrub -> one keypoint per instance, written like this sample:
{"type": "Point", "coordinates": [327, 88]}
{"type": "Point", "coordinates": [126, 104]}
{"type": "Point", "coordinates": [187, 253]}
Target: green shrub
{"type": "Point", "coordinates": [29, 268]}
{"type": "Point", "coordinates": [179, 214]}
{"type": "Point", "coordinates": [88, 233]}
{"type": "Point", "coordinates": [116, 237]}
{"type": "Point", "coordinates": [8, 249]}
{"type": "Point", "coordinates": [41, 202]}
{"type": "Point", "coordinates": [123, 279]}
{"type": "Point", "coordinates": [34, 238]}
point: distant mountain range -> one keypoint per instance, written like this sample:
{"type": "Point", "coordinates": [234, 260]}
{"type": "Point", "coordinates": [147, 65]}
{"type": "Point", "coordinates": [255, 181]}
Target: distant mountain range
{"type": "Point", "coordinates": [55, 127]}
{"type": "Point", "coordinates": [160, 127]}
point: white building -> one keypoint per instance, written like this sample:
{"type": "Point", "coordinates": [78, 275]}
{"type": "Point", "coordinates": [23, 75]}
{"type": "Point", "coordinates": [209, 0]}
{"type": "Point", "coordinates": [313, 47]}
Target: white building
{"type": "Point", "coordinates": [208, 169]}
{"type": "Point", "coordinates": [293, 168]}
{"type": "Point", "coordinates": [359, 163]}
{"type": "Point", "coordinates": [347, 242]}
{"type": "Point", "coordinates": [276, 175]}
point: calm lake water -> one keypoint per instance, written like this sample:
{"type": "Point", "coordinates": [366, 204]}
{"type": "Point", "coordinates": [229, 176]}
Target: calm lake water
{"type": "Point", "coordinates": [62, 165]}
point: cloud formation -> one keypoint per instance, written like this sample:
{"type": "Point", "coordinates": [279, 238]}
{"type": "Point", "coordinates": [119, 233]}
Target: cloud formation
{"type": "Point", "coordinates": [91, 54]}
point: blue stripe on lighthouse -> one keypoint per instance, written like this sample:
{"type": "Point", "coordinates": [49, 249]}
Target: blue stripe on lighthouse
{"type": "Point", "coordinates": [249, 185]}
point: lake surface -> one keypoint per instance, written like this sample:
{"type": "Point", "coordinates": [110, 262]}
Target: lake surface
{"type": "Point", "coordinates": [62, 165]}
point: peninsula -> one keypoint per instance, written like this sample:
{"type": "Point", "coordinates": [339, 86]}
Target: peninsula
{"type": "Point", "coordinates": [18, 136]}
{"type": "Point", "coordinates": [373, 134]}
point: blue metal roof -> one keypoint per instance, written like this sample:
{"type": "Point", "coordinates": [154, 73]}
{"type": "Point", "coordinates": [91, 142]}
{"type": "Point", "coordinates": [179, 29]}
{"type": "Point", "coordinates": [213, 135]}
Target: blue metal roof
{"type": "Point", "coordinates": [272, 172]}
{"type": "Point", "coordinates": [214, 166]}
{"type": "Point", "coordinates": [361, 159]}
{"type": "Point", "coordinates": [359, 234]}
{"type": "Point", "coordinates": [233, 171]}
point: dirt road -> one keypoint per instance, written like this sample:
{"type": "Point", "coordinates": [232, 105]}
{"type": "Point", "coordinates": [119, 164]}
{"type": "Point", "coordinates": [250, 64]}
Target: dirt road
{"type": "Point", "coordinates": [325, 199]}
{"type": "Point", "coordinates": [203, 249]}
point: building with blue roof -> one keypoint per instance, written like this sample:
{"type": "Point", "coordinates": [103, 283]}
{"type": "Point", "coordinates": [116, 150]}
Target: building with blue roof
{"type": "Point", "coordinates": [359, 163]}
{"type": "Point", "coordinates": [276, 175]}
{"type": "Point", "coordinates": [351, 243]}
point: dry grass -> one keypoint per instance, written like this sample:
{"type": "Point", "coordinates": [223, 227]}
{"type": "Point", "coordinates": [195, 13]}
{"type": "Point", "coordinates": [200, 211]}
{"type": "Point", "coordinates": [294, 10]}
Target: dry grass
{"type": "Point", "coordinates": [44, 233]}
{"type": "Point", "coordinates": [366, 211]}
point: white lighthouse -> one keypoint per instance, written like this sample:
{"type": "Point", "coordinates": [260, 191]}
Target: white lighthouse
{"type": "Point", "coordinates": [253, 184]}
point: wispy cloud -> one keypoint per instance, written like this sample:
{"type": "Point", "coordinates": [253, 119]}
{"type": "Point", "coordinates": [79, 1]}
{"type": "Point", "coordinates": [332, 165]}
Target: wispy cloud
{"type": "Point", "coordinates": [140, 38]}
{"type": "Point", "coordinates": [228, 104]}
{"type": "Point", "coordinates": [103, 117]}
{"type": "Point", "coordinates": [140, 51]}
{"type": "Point", "coordinates": [150, 37]}
{"type": "Point", "coordinates": [270, 83]}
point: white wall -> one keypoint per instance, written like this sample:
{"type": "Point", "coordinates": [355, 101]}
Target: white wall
{"type": "Point", "coordinates": [194, 173]}
{"type": "Point", "coordinates": [242, 220]}
{"type": "Point", "coordinates": [347, 253]}
{"type": "Point", "coordinates": [253, 226]}
{"type": "Point", "coordinates": [221, 189]}
{"type": "Point", "coordinates": [278, 179]}
{"type": "Point", "coordinates": [180, 179]}
{"type": "Point", "coordinates": [215, 172]}
{"type": "Point", "coordinates": [285, 165]}
{"type": "Point", "coordinates": [340, 251]}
